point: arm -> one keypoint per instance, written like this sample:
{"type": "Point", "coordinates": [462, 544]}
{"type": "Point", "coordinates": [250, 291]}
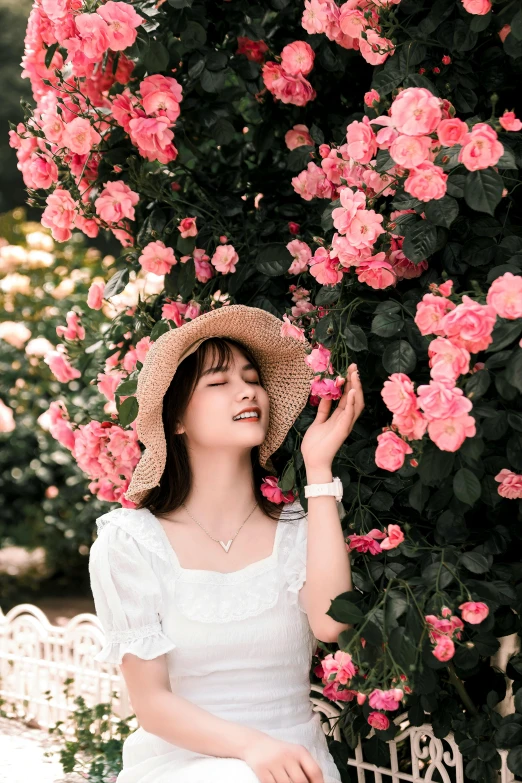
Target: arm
{"type": "Point", "coordinates": [175, 719]}
{"type": "Point", "coordinates": [328, 570]}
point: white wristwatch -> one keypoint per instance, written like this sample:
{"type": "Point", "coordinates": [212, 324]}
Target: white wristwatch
{"type": "Point", "coordinates": [334, 488]}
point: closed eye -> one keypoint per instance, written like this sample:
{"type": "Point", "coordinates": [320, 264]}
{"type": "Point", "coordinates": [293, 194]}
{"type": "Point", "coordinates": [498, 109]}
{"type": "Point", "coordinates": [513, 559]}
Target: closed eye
{"type": "Point", "coordinates": [222, 384]}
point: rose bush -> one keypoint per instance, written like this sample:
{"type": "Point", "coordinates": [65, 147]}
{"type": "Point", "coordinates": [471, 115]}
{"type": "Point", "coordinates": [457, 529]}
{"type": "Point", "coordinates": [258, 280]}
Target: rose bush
{"type": "Point", "coordinates": [354, 169]}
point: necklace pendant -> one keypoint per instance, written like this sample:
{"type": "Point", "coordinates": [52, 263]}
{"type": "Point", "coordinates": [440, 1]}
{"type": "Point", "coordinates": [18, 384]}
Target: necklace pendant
{"type": "Point", "coordinates": [226, 546]}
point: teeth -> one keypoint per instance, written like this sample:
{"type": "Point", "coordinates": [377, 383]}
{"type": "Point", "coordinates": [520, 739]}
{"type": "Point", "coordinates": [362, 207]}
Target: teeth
{"type": "Point", "coordinates": [248, 415]}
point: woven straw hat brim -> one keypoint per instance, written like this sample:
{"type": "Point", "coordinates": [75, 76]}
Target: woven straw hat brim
{"type": "Point", "coordinates": [284, 374]}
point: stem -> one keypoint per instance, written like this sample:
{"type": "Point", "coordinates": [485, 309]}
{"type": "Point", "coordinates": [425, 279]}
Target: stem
{"type": "Point", "coordinates": [461, 689]}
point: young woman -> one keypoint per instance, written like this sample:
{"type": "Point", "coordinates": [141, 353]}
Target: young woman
{"type": "Point", "coordinates": [202, 597]}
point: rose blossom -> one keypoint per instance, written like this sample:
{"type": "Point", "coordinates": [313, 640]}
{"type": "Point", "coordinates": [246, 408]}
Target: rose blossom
{"type": "Point", "coordinates": [510, 122]}
{"type": "Point", "coordinates": [430, 313]}
{"type": "Point", "coordinates": [394, 537]}
{"type": "Point", "coordinates": [416, 111]}
{"type": "Point", "coordinates": [386, 700]}
{"type": "Point", "coordinates": [452, 131]}
{"type": "Point", "coordinates": [444, 650]}
{"type": "Point", "coordinates": [378, 720]}
{"type": "Point", "coordinates": [480, 7]}
{"type": "Point", "coordinates": [366, 543]}
{"type": "Point", "coordinates": [410, 151]}
{"type": "Point", "coordinates": [161, 96]}
{"type": "Point", "coordinates": [511, 484]}
{"type": "Point", "coordinates": [91, 38]}
{"type": "Point", "coordinates": [79, 136]}
{"type": "Point", "coordinates": [362, 144]}
{"type": "Point", "coordinates": [470, 325]}
{"type": "Point", "coordinates": [374, 48]}
{"type": "Point", "coordinates": [505, 296]}
{"type": "Point", "coordinates": [301, 254]}
{"type": "Point", "coordinates": [121, 19]}
{"type": "Point", "coordinates": [441, 401]}
{"type": "Point", "coordinates": [391, 451]}
{"type": "Point", "coordinates": [59, 214]}
{"type": "Point", "coordinates": [116, 201]}
{"type": "Point", "coordinates": [253, 50]}
{"type": "Point", "coordinates": [60, 366]}
{"type": "Point", "coordinates": [371, 97]}
{"type": "Point", "coordinates": [297, 58]}
{"type": "Point", "coordinates": [157, 258]}
{"type": "Point", "coordinates": [153, 138]}
{"type": "Point", "coordinates": [449, 434]}
{"type": "Point", "coordinates": [481, 148]}
{"type": "Point", "coordinates": [447, 361]}
{"type": "Point", "coordinates": [298, 136]}
{"type": "Point", "coordinates": [411, 425]}
{"type": "Point", "coordinates": [376, 271]}
{"type": "Point", "coordinates": [426, 182]}
{"type": "Point", "coordinates": [187, 227]}
{"type": "Point", "coordinates": [225, 259]}
{"type": "Point", "coordinates": [398, 393]}
{"type": "Point", "coordinates": [474, 612]}
{"type": "Point", "coordinates": [95, 296]}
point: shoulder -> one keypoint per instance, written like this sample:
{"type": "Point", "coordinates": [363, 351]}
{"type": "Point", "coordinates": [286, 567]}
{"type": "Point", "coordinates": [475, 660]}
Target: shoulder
{"type": "Point", "coordinates": [130, 528]}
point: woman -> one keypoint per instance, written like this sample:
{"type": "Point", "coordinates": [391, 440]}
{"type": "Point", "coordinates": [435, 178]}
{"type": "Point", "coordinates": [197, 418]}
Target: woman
{"type": "Point", "coordinates": [213, 626]}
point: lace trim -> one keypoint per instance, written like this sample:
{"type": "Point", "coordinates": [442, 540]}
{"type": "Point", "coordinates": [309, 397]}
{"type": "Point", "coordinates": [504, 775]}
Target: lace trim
{"type": "Point", "coordinates": [134, 634]}
{"type": "Point", "coordinates": [138, 523]}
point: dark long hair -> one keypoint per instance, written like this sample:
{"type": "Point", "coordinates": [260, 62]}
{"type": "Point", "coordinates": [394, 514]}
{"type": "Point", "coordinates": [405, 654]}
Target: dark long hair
{"type": "Point", "coordinates": [176, 481]}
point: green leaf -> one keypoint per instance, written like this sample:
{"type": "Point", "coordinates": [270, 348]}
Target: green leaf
{"type": "Point", "coordinates": [345, 611]}
{"type": "Point", "coordinates": [514, 371]}
{"type": "Point", "coordinates": [180, 3]}
{"type": "Point", "coordinates": [504, 333]}
{"type": "Point", "coordinates": [509, 734]}
{"type": "Point", "coordinates": [420, 241]}
{"type": "Point", "coordinates": [157, 58]}
{"type": "Point", "coordinates": [387, 324]}
{"type": "Point", "coordinates": [274, 259]}
{"type": "Point", "coordinates": [355, 338]}
{"type": "Point", "coordinates": [193, 36]}
{"type": "Point", "coordinates": [514, 760]}
{"type": "Point", "coordinates": [435, 465]}
{"type": "Point", "coordinates": [516, 25]}
{"type": "Point", "coordinates": [466, 486]}
{"type": "Point", "coordinates": [223, 131]}
{"type": "Point", "coordinates": [127, 387]}
{"type": "Point", "coordinates": [117, 283]}
{"type": "Point", "coordinates": [474, 562]}
{"type": "Point", "coordinates": [216, 61]}
{"type": "Point", "coordinates": [399, 356]}
{"type": "Point", "coordinates": [478, 385]}
{"type": "Point", "coordinates": [507, 159]}
{"type": "Point", "coordinates": [127, 411]}
{"type": "Point", "coordinates": [158, 329]}
{"type": "Point", "coordinates": [212, 81]}
{"type": "Point", "coordinates": [442, 211]}
{"type": "Point", "coordinates": [483, 190]}
{"type": "Point", "coordinates": [49, 54]}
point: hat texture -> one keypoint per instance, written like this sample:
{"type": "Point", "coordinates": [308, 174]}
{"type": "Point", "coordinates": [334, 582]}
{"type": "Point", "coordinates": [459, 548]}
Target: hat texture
{"type": "Point", "coordinates": [284, 375]}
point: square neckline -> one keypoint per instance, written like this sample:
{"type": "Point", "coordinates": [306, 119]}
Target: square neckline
{"type": "Point", "coordinates": [251, 567]}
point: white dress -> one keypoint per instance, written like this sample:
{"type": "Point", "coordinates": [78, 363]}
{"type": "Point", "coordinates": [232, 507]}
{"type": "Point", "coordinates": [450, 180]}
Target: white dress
{"type": "Point", "coordinates": [238, 644]}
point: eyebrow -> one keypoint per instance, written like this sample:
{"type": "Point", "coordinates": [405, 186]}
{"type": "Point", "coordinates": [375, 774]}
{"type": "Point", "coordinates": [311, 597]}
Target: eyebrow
{"type": "Point", "coordinates": [221, 368]}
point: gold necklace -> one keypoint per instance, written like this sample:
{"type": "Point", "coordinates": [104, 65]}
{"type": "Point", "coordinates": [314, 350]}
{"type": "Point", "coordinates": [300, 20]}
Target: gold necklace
{"type": "Point", "coordinates": [226, 546]}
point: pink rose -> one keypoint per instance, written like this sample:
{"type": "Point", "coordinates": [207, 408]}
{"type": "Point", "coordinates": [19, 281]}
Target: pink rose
{"type": "Point", "coordinates": [505, 296]}
{"type": "Point", "coordinates": [59, 214]}
{"type": "Point", "coordinates": [444, 650]}
{"type": "Point", "coordinates": [319, 359]}
{"type": "Point", "coordinates": [391, 451]}
{"type": "Point", "coordinates": [301, 254]}
{"type": "Point", "coordinates": [474, 612]}
{"type": "Point", "coordinates": [95, 296]}
{"type": "Point", "coordinates": [161, 96]}
{"type": "Point", "coordinates": [60, 367]}
{"type": "Point", "coordinates": [410, 151]}
{"type": "Point", "coordinates": [298, 136]}
{"type": "Point", "coordinates": [363, 232]}
{"type": "Point", "coordinates": [480, 7]}
{"type": "Point", "coordinates": [510, 122]}
{"type": "Point", "coordinates": [374, 48]}
{"type": "Point", "coordinates": [511, 484]}
{"type": "Point", "coordinates": [351, 202]}
{"type": "Point", "coordinates": [378, 720]}
{"type": "Point", "coordinates": [371, 97]}
{"type": "Point", "coordinates": [362, 144]}
{"type": "Point", "coordinates": [376, 271]}
{"type": "Point", "coordinates": [340, 664]}
{"type": "Point", "coordinates": [157, 258]}
{"type": "Point", "coordinates": [39, 171]}
{"type": "Point", "coordinates": [452, 131]}
{"type": "Point", "coordinates": [91, 39]}
{"type": "Point", "coordinates": [481, 148]}
{"type": "Point", "coordinates": [79, 136]}
{"type": "Point", "coordinates": [225, 259]}
{"type": "Point", "coordinates": [122, 20]}
{"type": "Point", "coordinates": [411, 425]}
{"type": "Point", "coordinates": [366, 543]}
{"type": "Point", "coordinates": [187, 227]}
{"type": "Point", "coordinates": [285, 87]}
{"type": "Point", "coordinates": [447, 361]}
{"type": "Point", "coordinates": [416, 111]}
{"type": "Point", "coordinates": [297, 58]}
{"type": "Point", "coordinates": [271, 491]}
{"type": "Point", "coordinates": [441, 401]}
{"type": "Point", "coordinates": [394, 538]}
{"type": "Point", "coordinates": [386, 700]}
{"type": "Point", "coordinates": [430, 312]}
{"type": "Point", "coordinates": [116, 202]}
{"type": "Point", "coordinates": [470, 325]}
{"type": "Point", "coordinates": [74, 330]}
{"type": "Point", "coordinates": [398, 394]}
{"type": "Point", "coordinates": [504, 32]}
{"type": "Point", "coordinates": [153, 138]}
{"type": "Point", "coordinates": [449, 434]}
{"type": "Point", "coordinates": [426, 182]}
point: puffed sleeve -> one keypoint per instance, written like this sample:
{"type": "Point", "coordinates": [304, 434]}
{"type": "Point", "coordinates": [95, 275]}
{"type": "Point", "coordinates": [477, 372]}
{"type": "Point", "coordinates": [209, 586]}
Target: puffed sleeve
{"type": "Point", "coordinates": [295, 565]}
{"type": "Point", "coordinates": [127, 596]}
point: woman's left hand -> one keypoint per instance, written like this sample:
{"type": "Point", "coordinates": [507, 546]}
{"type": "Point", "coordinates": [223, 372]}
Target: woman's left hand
{"type": "Point", "coordinates": [325, 436]}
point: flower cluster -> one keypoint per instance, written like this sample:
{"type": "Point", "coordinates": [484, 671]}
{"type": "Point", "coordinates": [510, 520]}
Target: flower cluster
{"type": "Point", "coordinates": [352, 25]}
{"type": "Point", "coordinates": [376, 541]}
{"type": "Point", "coordinates": [443, 630]}
{"type": "Point", "coordinates": [440, 408]}
{"type": "Point", "coordinates": [286, 80]}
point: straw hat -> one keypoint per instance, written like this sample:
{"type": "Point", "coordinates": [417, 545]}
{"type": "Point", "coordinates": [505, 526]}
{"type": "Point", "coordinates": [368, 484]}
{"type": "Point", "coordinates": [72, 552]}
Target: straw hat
{"type": "Point", "coordinates": [284, 374]}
